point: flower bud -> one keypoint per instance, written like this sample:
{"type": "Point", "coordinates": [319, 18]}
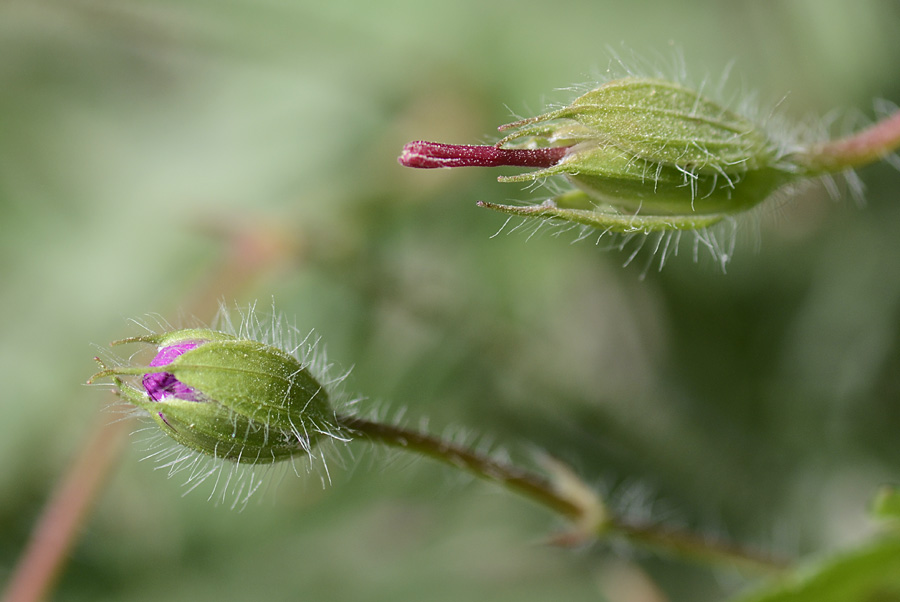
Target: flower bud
{"type": "Point", "coordinates": [645, 154]}
{"type": "Point", "coordinates": [655, 147]}
{"type": "Point", "coordinates": [226, 397]}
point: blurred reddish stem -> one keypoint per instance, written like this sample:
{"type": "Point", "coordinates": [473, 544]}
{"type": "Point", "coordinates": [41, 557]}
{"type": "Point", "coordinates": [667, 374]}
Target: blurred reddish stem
{"type": "Point", "coordinates": [871, 144]}
{"type": "Point", "coordinates": [52, 538]}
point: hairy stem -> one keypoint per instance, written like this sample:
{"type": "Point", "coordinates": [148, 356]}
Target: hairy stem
{"type": "Point", "coordinates": [572, 501]}
{"type": "Point", "coordinates": [529, 484]}
{"type": "Point", "coordinates": [697, 547]}
{"type": "Point", "coordinates": [856, 150]}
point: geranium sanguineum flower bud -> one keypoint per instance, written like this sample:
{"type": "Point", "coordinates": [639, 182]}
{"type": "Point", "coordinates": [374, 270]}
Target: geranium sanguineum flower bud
{"type": "Point", "coordinates": [645, 155]}
{"type": "Point", "coordinates": [230, 398]}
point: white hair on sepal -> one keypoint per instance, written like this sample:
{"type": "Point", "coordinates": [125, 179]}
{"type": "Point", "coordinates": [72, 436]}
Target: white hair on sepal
{"type": "Point", "coordinates": [231, 483]}
{"type": "Point", "coordinates": [274, 328]}
{"type": "Point", "coordinates": [741, 98]}
{"type": "Point", "coordinates": [717, 242]}
{"type": "Point", "coordinates": [773, 140]}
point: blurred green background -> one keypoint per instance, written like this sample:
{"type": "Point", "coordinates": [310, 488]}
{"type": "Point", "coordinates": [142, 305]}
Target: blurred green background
{"type": "Point", "coordinates": [145, 144]}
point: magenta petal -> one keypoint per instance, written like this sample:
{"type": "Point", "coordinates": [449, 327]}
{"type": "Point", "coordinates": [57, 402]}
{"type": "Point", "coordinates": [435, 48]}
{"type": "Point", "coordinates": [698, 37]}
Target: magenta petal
{"type": "Point", "coordinates": [160, 385]}
{"type": "Point", "coordinates": [168, 354]}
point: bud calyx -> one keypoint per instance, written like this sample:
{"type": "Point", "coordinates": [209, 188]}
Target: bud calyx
{"type": "Point", "coordinates": [232, 398]}
{"type": "Point", "coordinates": [645, 154]}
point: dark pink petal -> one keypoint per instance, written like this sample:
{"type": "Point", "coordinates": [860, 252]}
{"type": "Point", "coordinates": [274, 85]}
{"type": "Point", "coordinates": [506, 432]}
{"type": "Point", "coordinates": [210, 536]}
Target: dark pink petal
{"type": "Point", "coordinates": [160, 385]}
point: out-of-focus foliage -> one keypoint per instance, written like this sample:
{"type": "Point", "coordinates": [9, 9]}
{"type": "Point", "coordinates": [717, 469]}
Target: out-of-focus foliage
{"type": "Point", "coordinates": [143, 143]}
{"type": "Point", "coordinates": [887, 504]}
{"type": "Point", "coordinates": [870, 573]}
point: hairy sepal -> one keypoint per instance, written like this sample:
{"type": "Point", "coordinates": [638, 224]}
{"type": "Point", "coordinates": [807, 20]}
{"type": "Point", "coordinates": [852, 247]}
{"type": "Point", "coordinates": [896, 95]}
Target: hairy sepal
{"type": "Point", "coordinates": [662, 122]}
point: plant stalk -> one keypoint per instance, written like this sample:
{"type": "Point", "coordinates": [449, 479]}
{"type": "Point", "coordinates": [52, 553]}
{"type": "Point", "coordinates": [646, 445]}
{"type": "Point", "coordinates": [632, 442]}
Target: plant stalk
{"type": "Point", "coordinates": [868, 146]}
{"type": "Point", "coordinates": [586, 512]}
{"type": "Point", "coordinates": [526, 483]}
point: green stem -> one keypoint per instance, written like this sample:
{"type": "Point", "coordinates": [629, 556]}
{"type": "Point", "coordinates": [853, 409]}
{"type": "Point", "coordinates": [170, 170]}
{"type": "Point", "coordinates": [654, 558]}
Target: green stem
{"type": "Point", "coordinates": [521, 481]}
{"type": "Point", "coordinates": [856, 150]}
{"type": "Point", "coordinates": [697, 547]}
{"type": "Point", "coordinates": [566, 497]}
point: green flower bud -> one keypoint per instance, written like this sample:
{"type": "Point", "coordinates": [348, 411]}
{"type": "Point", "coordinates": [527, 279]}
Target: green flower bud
{"type": "Point", "coordinates": [659, 152]}
{"type": "Point", "coordinates": [645, 155]}
{"type": "Point", "coordinates": [230, 398]}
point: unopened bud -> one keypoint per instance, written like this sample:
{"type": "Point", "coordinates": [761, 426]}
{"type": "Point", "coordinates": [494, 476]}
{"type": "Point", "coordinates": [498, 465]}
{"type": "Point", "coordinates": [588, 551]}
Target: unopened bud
{"type": "Point", "coordinates": [230, 398]}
